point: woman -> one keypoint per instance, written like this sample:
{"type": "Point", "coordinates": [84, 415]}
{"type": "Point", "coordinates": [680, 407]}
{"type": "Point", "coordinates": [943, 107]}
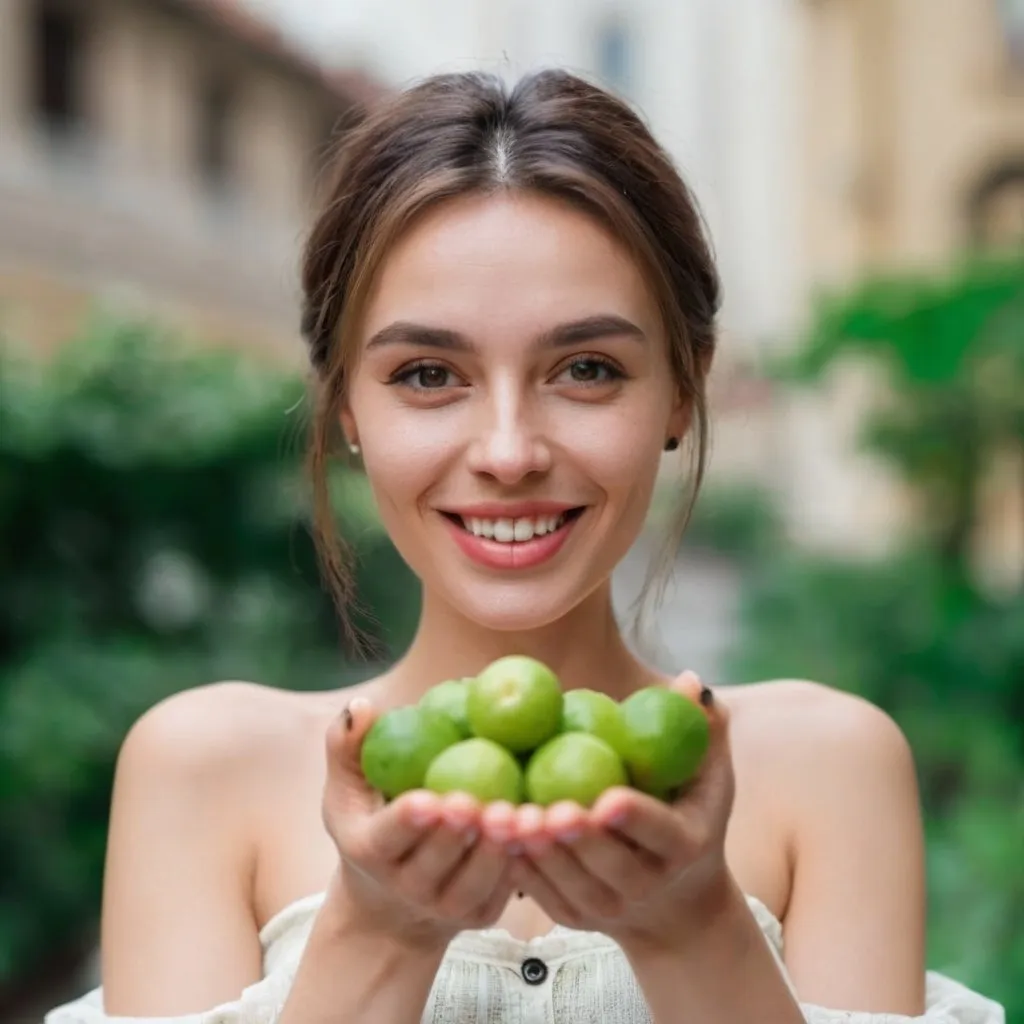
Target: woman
{"type": "Point", "coordinates": [510, 307]}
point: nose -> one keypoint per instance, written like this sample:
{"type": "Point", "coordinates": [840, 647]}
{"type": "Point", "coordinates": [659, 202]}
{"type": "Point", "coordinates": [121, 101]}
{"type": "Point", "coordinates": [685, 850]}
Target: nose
{"type": "Point", "coordinates": [511, 443]}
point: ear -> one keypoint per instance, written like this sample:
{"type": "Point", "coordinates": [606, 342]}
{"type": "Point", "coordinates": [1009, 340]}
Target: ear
{"type": "Point", "coordinates": [348, 425]}
{"type": "Point", "coordinates": [680, 417]}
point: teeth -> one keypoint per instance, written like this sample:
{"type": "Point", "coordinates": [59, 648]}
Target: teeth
{"type": "Point", "coordinates": [505, 531]}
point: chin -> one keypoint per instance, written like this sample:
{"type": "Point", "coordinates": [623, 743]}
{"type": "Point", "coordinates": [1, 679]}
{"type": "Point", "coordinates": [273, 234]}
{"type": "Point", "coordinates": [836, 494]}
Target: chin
{"type": "Point", "coordinates": [518, 607]}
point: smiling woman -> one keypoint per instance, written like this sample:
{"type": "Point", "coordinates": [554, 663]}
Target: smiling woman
{"type": "Point", "coordinates": [510, 306]}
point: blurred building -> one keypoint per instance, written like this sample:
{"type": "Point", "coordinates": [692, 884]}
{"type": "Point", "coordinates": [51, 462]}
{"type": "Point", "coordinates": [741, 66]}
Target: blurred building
{"type": "Point", "coordinates": [911, 151]}
{"type": "Point", "coordinates": [161, 155]}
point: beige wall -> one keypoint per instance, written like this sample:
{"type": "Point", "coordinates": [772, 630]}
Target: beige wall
{"type": "Point", "coordinates": [906, 106]}
{"type": "Point", "coordinates": [128, 215]}
{"type": "Point", "coordinates": [909, 104]}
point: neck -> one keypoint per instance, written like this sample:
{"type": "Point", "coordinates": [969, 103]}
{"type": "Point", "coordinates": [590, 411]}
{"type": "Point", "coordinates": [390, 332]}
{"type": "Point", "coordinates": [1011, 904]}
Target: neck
{"type": "Point", "coordinates": [585, 648]}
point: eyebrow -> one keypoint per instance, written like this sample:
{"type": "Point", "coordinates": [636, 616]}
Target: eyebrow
{"type": "Point", "coordinates": [590, 328]}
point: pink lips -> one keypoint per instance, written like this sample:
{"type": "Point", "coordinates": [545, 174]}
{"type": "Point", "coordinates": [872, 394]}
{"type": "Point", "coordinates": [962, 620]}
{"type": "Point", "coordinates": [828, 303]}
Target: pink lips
{"type": "Point", "coordinates": [518, 554]}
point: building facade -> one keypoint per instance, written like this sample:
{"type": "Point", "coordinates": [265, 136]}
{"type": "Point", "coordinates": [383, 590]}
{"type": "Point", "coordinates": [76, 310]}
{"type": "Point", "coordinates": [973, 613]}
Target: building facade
{"type": "Point", "coordinates": [159, 155]}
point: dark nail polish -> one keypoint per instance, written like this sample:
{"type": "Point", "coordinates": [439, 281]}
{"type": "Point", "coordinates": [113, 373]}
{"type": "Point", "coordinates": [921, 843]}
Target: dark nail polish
{"type": "Point", "coordinates": [347, 715]}
{"type": "Point", "coordinates": [707, 698]}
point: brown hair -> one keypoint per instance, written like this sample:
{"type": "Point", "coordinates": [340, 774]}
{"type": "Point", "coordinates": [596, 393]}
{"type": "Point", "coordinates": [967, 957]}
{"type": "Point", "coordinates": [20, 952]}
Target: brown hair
{"type": "Point", "coordinates": [551, 134]}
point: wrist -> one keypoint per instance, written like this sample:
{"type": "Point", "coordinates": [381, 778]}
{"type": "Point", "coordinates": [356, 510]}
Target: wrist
{"type": "Point", "coordinates": [716, 907]}
{"type": "Point", "coordinates": [346, 918]}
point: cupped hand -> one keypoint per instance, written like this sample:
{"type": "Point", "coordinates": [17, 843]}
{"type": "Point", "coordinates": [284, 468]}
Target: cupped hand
{"type": "Point", "coordinates": [633, 867]}
{"type": "Point", "coordinates": [419, 867]}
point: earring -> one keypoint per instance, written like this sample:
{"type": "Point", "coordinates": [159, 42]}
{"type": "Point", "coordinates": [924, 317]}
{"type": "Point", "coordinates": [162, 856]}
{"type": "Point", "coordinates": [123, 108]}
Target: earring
{"type": "Point", "coordinates": [353, 447]}
{"type": "Point", "coordinates": [672, 444]}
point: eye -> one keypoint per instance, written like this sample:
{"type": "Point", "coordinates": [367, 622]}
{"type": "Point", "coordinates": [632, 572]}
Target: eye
{"type": "Point", "coordinates": [424, 377]}
{"type": "Point", "coordinates": [592, 370]}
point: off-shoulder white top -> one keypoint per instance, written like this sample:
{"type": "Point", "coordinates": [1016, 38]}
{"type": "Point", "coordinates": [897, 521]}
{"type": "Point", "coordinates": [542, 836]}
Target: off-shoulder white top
{"type": "Point", "coordinates": [489, 977]}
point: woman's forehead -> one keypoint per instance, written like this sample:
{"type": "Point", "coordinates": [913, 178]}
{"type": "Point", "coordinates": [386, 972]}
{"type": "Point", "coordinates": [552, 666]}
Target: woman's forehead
{"type": "Point", "coordinates": [517, 259]}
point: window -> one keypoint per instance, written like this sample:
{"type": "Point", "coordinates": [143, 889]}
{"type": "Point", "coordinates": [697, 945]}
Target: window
{"type": "Point", "coordinates": [1011, 14]}
{"type": "Point", "coordinates": [614, 54]}
{"type": "Point", "coordinates": [996, 208]}
{"type": "Point", "coordinates": [213, 150]}
{"type": "Point", "coordinates": [57, 52]}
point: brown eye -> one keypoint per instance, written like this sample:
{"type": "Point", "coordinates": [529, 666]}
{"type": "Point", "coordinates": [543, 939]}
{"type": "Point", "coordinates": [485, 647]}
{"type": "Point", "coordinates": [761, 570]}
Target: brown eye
{"type": "Point", "coordinates": [431, 376]}
{"type": "Point", "coordinates": [585, 370]}
{"type": "Point", "coordinates": [590, 370]}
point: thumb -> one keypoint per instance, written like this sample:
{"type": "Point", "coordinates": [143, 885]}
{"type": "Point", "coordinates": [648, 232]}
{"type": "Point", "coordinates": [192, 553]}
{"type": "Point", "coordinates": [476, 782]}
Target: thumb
{"type": "Point", "coordinates": [716, 772]}
{"type": "Point", "coordinates": [690, 685]}
{"type": "Point", "coordinates": [349, 791]}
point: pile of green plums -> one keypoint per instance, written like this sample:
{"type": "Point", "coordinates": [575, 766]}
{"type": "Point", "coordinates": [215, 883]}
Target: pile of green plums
{"type": "Point", "coordinates": [510, 733]}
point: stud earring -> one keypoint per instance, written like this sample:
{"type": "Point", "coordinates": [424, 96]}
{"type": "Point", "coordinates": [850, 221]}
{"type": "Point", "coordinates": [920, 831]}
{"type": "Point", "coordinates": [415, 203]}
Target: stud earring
{"type": "Point", "coordinates": [353, 447]}
{"type": "Point", "coordinates": [672, 444]}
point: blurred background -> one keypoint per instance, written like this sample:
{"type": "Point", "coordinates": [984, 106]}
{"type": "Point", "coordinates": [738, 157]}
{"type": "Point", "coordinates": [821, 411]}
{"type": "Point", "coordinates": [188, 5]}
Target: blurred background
{"type": "Point", "coordinates": [861, 167]}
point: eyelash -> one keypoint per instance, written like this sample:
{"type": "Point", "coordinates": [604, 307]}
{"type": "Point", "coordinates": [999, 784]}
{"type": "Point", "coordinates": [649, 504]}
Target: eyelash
{"type": "Point", "coordinates": [405, 375]}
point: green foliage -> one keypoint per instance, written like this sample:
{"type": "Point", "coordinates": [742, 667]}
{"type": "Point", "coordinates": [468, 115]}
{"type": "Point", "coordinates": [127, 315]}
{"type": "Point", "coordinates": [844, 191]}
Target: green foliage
{"type": "Point", "coordinates": [917, 633]}
{"type": "Point", "coordinates": [155, 525]}
{"type": "Point", "coordinates": [953, 349]}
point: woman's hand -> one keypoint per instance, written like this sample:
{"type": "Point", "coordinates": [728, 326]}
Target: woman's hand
{"type": "Point", "coordinates": [633, 867]}
{"type": "Point", "coordinates": [420, 867]}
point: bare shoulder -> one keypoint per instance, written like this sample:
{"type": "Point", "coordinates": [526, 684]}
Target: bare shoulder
{"type": "Point", "coordinates": [231, 725]}
{"type": "Point", "coordinates": [791, 725]}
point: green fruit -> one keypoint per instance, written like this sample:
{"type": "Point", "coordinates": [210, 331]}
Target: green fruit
{"type": "Point", "coordinates": [667, 737]}
{"type": "Point", "coordinates": [595, 713]}
{"type": "Point", "coordinates": [450, 699]}
{"type": "Point", "coordinates": [573, 766]}
{"type": "Point", "coordinates": [479, 767]}
{"type": "Point", "coordinates": [401, 744]}
{"type": "Point", "coordinates": [517, 702]}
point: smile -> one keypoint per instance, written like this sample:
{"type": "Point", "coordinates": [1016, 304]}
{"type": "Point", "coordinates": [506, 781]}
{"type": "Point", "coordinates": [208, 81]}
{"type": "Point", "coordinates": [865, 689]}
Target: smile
{"type": "Point", "coordinates": [507, 543]}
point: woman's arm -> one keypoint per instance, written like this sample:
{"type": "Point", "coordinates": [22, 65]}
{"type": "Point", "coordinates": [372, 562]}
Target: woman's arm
{"type": "Point", "coordinates": [351, 975]}
{"type": "Point", "coordinates": [719, 971]}
{"type": "Point", "coordinates": [855, 923]}
{"type": "Point", "coordinates": [178, 935]}
{"type": "Point", "coordinates": [177, 932]}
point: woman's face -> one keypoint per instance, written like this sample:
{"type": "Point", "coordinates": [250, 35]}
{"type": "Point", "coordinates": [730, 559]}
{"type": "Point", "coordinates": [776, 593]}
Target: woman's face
{"type": "Point", "coordinates": [511, 395]}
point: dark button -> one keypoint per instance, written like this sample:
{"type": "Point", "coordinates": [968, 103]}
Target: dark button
{"type": "Point", "coordinates": [535, 971]}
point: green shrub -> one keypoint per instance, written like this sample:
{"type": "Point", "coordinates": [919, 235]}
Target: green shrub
{"type": "Point", "coordinates": [155, 537]}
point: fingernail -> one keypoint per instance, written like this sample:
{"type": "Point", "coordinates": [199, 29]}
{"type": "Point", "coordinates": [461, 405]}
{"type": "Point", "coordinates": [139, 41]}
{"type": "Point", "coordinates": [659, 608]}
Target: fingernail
{"type": "Point", "coordinates": [470, 837]}
{"type": "Point", "coordinates": [569, 836]}
{"type": "Point", "coordinates": [421, 817]}
{"type": "Point", "coordinates": [618, 818]}
{"type": "Point", "coordinates": [515, 849]}
{"type": "Point", "coordinates": [359, 704]}
{"type": "Point", "coordinates": [707, 698]}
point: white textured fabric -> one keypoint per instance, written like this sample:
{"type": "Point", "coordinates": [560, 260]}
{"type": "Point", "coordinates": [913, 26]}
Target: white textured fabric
{"type": "Point", "coordinates": [481, 981]}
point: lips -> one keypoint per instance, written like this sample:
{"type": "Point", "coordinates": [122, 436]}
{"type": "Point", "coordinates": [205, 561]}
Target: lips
{"type": "Point", "coordinates": [508, 529]}
{"type": "Point", "coordinates": [507, 541]}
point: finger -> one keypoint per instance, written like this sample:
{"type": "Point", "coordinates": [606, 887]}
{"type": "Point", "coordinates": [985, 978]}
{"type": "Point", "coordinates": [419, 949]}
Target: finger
{"type": "Point", "coordinates": [496, 902]}
{"type": "Point", "coordinates": [617, 861]}
{"type": "Point", "coordinates": [642, 821]}
{"type": "Point", "coordinates": [690, 685]}
{"type": "Point", "coordinates": [499, 821]}
{"type": "Point", "coordinates": [577, 887]}
{"type": "Point", "coordinates": [349, 791]}
{"type": "Point", "coordinates": [391, 835]}
{"type": "Point", "coordinates": [717, 762]}
{"type": "Point", "coordinates": [432, 861]}
{"type": "Point", "coordinates": [476, 883]}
